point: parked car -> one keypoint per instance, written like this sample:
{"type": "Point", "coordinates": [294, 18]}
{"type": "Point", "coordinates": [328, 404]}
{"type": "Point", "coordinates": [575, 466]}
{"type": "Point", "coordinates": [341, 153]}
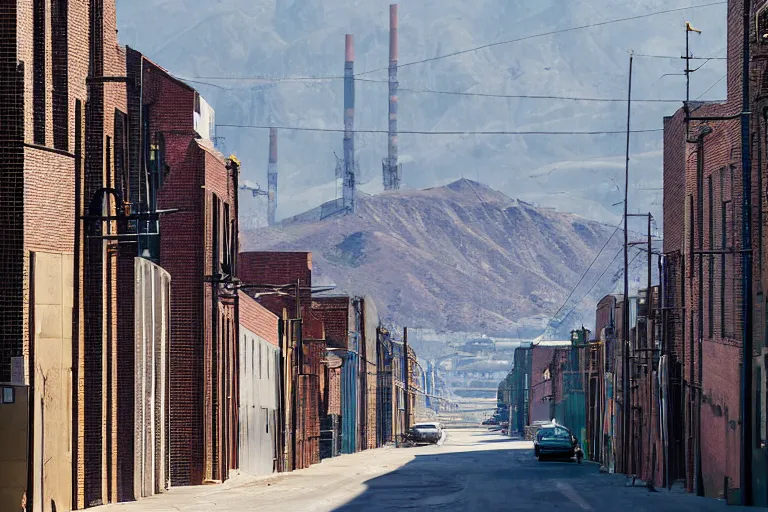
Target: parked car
{"type": "Point", "coordinates": [490, 421]}
{"type": "Point", "coordinates": [426, 433]}
{"type": "Point", "coordinates": [556, 441]}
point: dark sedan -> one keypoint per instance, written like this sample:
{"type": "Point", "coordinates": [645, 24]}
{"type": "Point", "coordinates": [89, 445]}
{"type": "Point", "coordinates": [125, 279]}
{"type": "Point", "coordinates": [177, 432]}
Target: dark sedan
{"type": "Point", "coordinates": [556, 441]}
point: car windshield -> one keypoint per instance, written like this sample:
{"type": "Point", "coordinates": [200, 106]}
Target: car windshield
{"type": "Point", "coordinates": [425, 426]}
{"type": "Point", "coordinates": [554, 433]}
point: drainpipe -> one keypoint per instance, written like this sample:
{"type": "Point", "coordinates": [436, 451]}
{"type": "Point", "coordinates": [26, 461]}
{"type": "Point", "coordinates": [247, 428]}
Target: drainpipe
{"type": "Point", "coordinates": [746, 258]}
{"type": "Point", "coordinates": [706, 130]}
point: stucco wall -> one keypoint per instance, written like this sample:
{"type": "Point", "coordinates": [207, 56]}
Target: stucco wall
{"type": "Point", "coordinates": [52, 288]}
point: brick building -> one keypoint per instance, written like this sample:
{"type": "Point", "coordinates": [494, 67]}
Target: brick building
{"type": "Point", "coordinates": [703, 199]}
{"type": "Point", "coordinates": [198, 247]}
{"type": "Point", "coordinates": [272, 278]}
{"type": "Point", "coordinates": [59, 106]}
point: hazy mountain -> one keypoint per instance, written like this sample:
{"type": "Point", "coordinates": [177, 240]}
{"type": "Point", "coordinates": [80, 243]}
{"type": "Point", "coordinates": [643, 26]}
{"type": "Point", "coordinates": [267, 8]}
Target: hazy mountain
{"type": "Point", "coordinates": [300, 38]}
{"type": "Point", "coordinates": [461, 257]}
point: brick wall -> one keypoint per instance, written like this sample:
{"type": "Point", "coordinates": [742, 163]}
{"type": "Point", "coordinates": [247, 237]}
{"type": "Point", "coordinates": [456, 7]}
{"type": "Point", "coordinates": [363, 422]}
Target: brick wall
{"type": "Point", "coordinates": [706, 334]}
{"type": "Point", "coordinates": [540, 388]}
{"type": "Point", "coordinates": [370, 323]}
{"type": "Point", "coordinates": [334, 312]}
{"type": "Point", "coordinates": [257, 319]}
{"type": "Point", "coordinates": [277, 268]}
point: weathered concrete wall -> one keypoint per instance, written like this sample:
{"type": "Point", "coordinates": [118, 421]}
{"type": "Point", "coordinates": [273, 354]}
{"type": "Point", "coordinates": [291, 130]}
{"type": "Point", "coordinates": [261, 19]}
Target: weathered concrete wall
{"type": "Point", "coordinates": [152, 314]}
{"type": "Point", "coordinates": [14, 428]}
{"type": "Point", "coordinates": [259, 367]}
{"type": "Point", "coordinates": [52, 289]}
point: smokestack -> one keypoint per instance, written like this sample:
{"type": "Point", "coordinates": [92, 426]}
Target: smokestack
{"type": "Point", "coordinates": [349, 125]}
{"type": "Point", "coordinates": [272, 176]}
{"type": "Point", "coordinates": [391, 168]}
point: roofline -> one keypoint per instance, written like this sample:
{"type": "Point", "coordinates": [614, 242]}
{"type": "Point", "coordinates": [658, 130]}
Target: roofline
{"type": "Point", "coordinates": [167, 73]}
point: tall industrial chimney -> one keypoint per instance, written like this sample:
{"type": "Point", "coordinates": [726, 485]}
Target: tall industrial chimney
{"type": "Point", "coordinates": [272, 176]}
{"type": "Point", "coordinates": [391, 169]}
{"type": "Point", "coordinates": [349, 125]}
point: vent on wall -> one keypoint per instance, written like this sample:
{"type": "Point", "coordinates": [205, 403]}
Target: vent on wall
{"type": "Point", "coordinates": [761, 24]}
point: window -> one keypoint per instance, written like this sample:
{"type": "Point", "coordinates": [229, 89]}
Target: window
{"type": "Point", "coordinates": [38, 71]}
{"type": "Point", "coordinates": [216, 235]}
{"type": "Point", "coordinates": [761, 23]}
{"type": "Point", "coordinates": [157, 163]}
{"type": "Point", "coordinates": [121, 155]}
{"type": "Point", "coordinates": [108, 173]}
{"type": "Point", "coordinates": [60, 65]}
{"type": "Point", "coordinates": [710, 246]}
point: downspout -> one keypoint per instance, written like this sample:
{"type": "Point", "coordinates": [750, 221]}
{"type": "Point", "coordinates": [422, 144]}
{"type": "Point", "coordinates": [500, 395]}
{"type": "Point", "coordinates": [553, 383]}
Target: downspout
{"type": "Point", "coordinates": [699, 484]}
{"type": "Point", "coordinates": [236, 355]}
{"type": "Point", "coordinates": [745, 476]}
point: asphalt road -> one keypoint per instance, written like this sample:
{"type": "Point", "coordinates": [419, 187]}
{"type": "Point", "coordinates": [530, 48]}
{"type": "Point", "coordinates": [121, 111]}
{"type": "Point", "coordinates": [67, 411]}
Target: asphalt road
{"type": "Point", "coordinates": [473, 470]}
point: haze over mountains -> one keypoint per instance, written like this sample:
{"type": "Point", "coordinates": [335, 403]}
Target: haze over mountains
{"type": "Point", "coordinates": [457, 258]}
{"type": "Point", "coordinates": [301, 38]}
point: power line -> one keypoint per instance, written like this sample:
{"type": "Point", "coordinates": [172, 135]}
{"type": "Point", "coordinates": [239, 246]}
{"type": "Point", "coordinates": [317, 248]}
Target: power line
{"type": "Point", "coordinates": [598, 280]}
{"type": "Point", "coordinates": [712, 86]}
{"type": "Point", "coordinates": [678, 57]}
{"type": "Point", "coordinates": [451, 93]}
{"type": "Point", "coordinates": [536, 97]}
{"type": "Point", "coordinates": [584, 275]}
{"type": "Point", "coordinates": [550, 33]}
{"type": "Point", "coordinates": [482, 47]}
{"type": "Point", "coordinates": [420, 132]}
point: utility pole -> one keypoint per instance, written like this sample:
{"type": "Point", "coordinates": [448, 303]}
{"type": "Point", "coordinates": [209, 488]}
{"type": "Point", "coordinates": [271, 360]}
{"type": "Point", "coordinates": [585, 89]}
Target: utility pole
{"type": "Point", "coordinates": [746, 258]}
{"type": "Point", "coordinates": [407, 380]}
{"type": "Point", "coordinates": [625, 305]}
{"type": "Point", "coordinates": [650, 263]}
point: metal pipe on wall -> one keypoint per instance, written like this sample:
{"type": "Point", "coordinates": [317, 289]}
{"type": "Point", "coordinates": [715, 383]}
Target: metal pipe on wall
{"type": "Point", "coordinates": [745, 472]}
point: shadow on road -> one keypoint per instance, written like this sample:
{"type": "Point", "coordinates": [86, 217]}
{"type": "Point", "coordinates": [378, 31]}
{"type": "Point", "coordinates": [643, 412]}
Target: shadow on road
{"type": "Point", "coordinates": [456, 480]}
{"type": "Point", "coordinates": [509, 478]}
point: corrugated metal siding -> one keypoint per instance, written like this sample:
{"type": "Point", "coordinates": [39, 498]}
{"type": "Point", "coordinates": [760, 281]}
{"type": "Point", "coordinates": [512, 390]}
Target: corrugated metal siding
{"type": "Point", "coordinates": [152, 315]}
{"type": "Point", "coordinates": [258, 403]}
{"type": "Point", "coordinates": [349, 403]}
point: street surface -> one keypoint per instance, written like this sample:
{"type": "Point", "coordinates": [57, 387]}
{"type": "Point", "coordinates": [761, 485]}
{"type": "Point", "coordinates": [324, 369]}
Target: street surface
{"type": "Point", "coordinates": [473, 470]}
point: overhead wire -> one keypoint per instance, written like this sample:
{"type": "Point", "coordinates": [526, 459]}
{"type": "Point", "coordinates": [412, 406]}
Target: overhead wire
{"type": "Point", "coordinates": [639, 251]}
{"type": "Point", "coordinates": [712, 86]}
{"type": "Point", "coordinates": [584, 275]}
{"type": "Point", "coordinates": [678, 57]}
{"type": "Point", "coordinates": [464, 93]}
{"type": "Point", "coordinates": [549, 33]}
{"type": "Point", "coordinates": [490, 45]}
{"type": "Point", "coordinates": [424, 132]}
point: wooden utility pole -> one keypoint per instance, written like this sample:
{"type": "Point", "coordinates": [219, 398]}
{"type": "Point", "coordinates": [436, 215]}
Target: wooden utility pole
{"type": "Point", "coordinates": [288, 392]}
{"type": "Point", "coordinates": [625, 392]}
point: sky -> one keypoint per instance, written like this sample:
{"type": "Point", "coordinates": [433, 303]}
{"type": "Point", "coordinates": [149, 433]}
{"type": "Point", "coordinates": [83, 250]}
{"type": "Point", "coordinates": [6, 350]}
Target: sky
{"type": "Point", "coordinates": [251, 59]}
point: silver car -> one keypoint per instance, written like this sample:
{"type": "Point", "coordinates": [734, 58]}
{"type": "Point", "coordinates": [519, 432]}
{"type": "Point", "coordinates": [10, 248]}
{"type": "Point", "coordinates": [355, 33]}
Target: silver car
{"type": "Point", "coordinates": [427, 432]}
